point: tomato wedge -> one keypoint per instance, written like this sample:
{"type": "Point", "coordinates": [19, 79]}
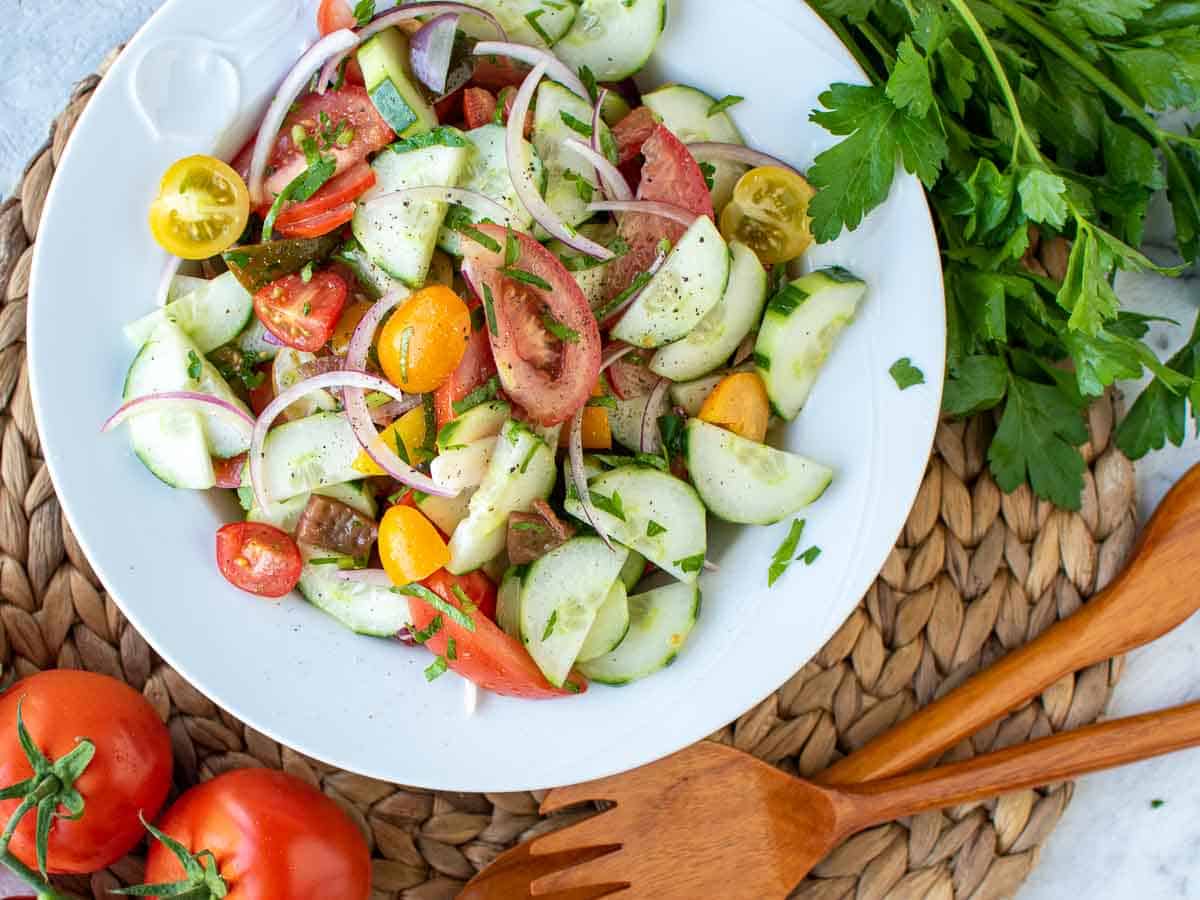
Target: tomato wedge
{"type": "Point", "coordinates": [545, 338]}
{"type": "Point", "coordinates": [258, 558]}
{"type": "Point", "coordinates": [302, 314]}
{"type": "Point", "coordinates": [228, 472]}
{"type": "Point", "coordinates": [479, 107]}
{"type": "Point", "coordinates": [486, 655]}
{"type": "Point", "coordinates": [474, 369]}
{"type": "Point", "coordinates": [344, 124]}
{"type": "Point", "coordinates": [333, 15]}
{"type": "Point", "coordinates": [329, 207]}
{"type": "Point", "coordinates": [633, 131]}
{"type": "Point", "coordinates": [477, 586]}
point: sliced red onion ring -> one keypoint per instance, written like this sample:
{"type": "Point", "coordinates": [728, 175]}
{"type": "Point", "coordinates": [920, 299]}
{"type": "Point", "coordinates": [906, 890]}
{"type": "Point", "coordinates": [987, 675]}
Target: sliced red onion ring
{"type": "Point", "coordinates": [269, 338]}
{"type": "Point", "coordinates": [629, 301]}
{"type": "Point", "coordinates": [535, 56]}
{"type": "Point", "coordinates": [371, 577]}
{"type": "Point", "coordinates": [485, 206]}
{"type": "Point", "coordinates": [579, 476]}
{"type": "Point", "coordinates": [167, 400]}
{"type": "Point", "coordinates": [613, 354]}
{"type": "Point", "coordinates": [737, 153]}
{"type": "Point", "coordinates": [170, 270]}
{"type": "Point", "coordinates": [530, 196]}
{"type": "Point", "coordinates": [678, 214]}
{"type": "Point", "coordinates": [389, 412]}
{"type": "Point", "coordinates": [614, 183]}
{"type": "Point", "coordinates": [597, 121]}
{"type": "Point", "coordinates": [431, 48]}
{"type": "Point", "coordinates": [395, 17]}
{"type": "Point", "coordinates": [656, 406]}
{"type": "Point", "coordinates": [328, 47]}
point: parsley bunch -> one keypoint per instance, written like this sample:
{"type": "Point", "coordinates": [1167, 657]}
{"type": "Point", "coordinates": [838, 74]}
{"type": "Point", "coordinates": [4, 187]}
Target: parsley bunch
{"type": "Point", "coordinates": [1030, 124]}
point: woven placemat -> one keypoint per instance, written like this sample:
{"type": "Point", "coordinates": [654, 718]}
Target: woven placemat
{"type": "Point", "coordinates": [976, 573]}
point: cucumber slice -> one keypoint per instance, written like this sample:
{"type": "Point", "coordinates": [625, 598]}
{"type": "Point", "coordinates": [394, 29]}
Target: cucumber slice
{"type": "Point", "coordinates": [611, 624]}
{"type": "Point", "coordinates": [614, 38]}
{"type": "Point", "coordinates": [570, 179]}
{"type": "Point", "coordinates": [659, 624]}
{"type": "Point", "coordinates": [401, 238]}
{"type": "Point", "coordinates": [212, 314]}
{"type": "Point", "coordinates": [685, 110]}
{"type": "Point", "coordinates": [691, 394]}
{"type": "Point", "coordinates": [538, 23]}
{"type": "Point", "coordinates": [464, 467]}
{"type": "Point", "coordinates": [633, 570]}
{"type": "Point", "coordinates": [389, 80]}
{"type": "Point", "coordinates": [254, 340]}
{"type": "Point", "coordinates": [181, 285]}
{"type": "Point", "coordinates": [370, 276]}
{"type": "Point", "coordinates": [521, 471]}
{"type": "Point", "coordinates": [444, 512]}
{"type": "Point", "coordinates": [363, 608]}
{"type": "Point", "coordinates": [486, 172]}
{"type": "Point", "coordinates": [625, 422]}
{"type": "Point", "coordinates": [690, 283]}
{"type": "Point", "coordinates": [508, 601]}
{"type": "Point", "coordinates": [748, 482]}
{"type": "Point", "coordinates": [478, 422]}
{"type": "Point", "coordinates": [647, 496]}
{"type": "Point", "coordinates": [285, 372]}
{"type": "Point", "coordinates": [307, 454]}
{"type": "Point", "coordinates": [560, 596]}
{"type": "Point", "coordinates": [285, 515]}
{"type": "Point", "coordinates": [709, 345]}
{"type": "Point", "coordinates": [587, 272]}
{"type": "Point", "coordinates": [798, 331]}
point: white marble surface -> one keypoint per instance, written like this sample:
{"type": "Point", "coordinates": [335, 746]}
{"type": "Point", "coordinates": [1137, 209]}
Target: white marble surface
{"type": "Point", "coordinates": [1111, 843]}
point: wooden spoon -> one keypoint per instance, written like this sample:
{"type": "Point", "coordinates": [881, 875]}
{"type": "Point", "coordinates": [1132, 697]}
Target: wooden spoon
{"type": "Point", "coordinates": [712, 821]}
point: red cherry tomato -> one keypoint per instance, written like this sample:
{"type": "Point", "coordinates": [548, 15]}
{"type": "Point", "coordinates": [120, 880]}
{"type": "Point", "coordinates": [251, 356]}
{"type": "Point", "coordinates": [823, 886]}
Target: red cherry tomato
{"type": "Point", "coordinates": [272, 837]}
{"type": "Point", "coordinates": [479, 107]}
{"type": "Point", "coordinates": [229, 471]}
{"type": "Point", "coordinates": [129, 773]}
{"type": "Point", "coordinates": [258, 558]}
{"type": "Point", "coordinates": [477, 586]}
{"type": "Point", "coordinates": [550, 376]}
{"type": "Point", "coordinates": [302, 315]}
{"type": "Point", "coordinates": [475, 368]}
{"type": "Point", "coordinates": [330, 207]}
{"type": "Point", "coordinates": [486, 656]}
{"type": "Point", "coordinates": [262, 395]}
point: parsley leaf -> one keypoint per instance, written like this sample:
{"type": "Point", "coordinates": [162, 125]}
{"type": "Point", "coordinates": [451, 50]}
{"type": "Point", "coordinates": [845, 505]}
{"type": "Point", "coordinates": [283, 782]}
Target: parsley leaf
{"type": "Point", "coordinates": [195, 367]}
{"type": "Point", "coordinates": [653, 529]}
{"type": "Point", "coordinates": [690, 563]}
{"type": "Point", "coordinates": [783, 555]}
{"type": "Point", "coordinates": [723, 104]}
{"type": "Point", "coordinates": [905, 374]}
{"type": "Point", "coordinates": [611, 505]}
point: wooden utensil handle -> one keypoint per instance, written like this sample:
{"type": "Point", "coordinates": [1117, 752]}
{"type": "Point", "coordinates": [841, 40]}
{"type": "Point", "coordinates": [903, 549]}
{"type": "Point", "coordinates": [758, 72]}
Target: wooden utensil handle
{"type": "Point", "coordinates": [1055, 758]}
{"type": "Point", "coordinates": [1156, 591]}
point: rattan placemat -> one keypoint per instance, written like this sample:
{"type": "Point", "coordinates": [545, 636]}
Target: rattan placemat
{"type": "Point", "coordinates": [975, 573]}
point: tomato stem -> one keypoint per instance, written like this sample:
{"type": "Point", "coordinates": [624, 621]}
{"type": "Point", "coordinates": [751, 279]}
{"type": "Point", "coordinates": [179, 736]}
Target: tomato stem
{"type": "Point", "coordinates": [43, 888]}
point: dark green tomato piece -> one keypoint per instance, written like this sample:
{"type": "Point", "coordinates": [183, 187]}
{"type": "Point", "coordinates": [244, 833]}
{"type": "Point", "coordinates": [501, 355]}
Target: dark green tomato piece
{"type": "Point", "coordinates": [258, 265]}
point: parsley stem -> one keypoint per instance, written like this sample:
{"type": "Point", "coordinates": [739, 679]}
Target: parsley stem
{"type": "Point", "coordinates": [878, 42]}
{"type": "Point", "coordinates": [838, 27]}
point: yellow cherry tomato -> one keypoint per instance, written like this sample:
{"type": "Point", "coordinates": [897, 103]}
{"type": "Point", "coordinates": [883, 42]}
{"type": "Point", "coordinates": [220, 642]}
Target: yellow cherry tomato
{"type": "Point", "coordinates": [769, 214]}
{"type": "Point", "coordinates": [201, 209]}
{"type": "Point", "coordinates": [351, 316]}
{"type": "Point", "coordinates": [595, 430]}
{"type": "Point", "coordinates": [424, 340]}
{"type": "Point", "coordinates": [410, 546]}
{"type": "Point", "coordinates": [739, 404]}
{"type": "Point", "coordinates": [409, 429]}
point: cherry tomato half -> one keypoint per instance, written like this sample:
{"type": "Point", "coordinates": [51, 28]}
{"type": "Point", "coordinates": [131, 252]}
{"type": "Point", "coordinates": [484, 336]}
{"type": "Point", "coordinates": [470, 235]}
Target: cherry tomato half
{"type": "Point", "coordinates": [333, 15]}
{"type": "Point", "coordinates": [258, 558]}
{"type": "Point", "coordinates": [302, 314]}
{"type": "Point", "coordinates": [424, 340]}
{"type": "Point", "coordinates": [769, 214]}
{"type": "Point", "coordinates": [410, 546]}
{"type": "Point", "coordinates": [330, 207]}
{"type": "Point", "coordinates": [201, 209]}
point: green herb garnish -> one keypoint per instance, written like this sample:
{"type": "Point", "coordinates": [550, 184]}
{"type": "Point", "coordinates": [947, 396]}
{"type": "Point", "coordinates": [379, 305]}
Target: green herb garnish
{"type": "Point", "coordinates": [442, 136]}
{"type": "Point", "coordinates": [482, 394]}
{"type": "Point", "coordinates": [724, 103]}
{"type": "Point", "coordinates": [653, 529]}
{"type": "Point", "coordinates": [532, 19]}
{"type": "Point", "coordinates": [489, 306]}
{"type": "Point", "coordinates": [611, 505]}
{"type": "Point", "coordinates": [435, 626]}
{"type": "Point", "coordinates": [810, 555]}
{"type": "Point", "coordinates": [550, 623]}
{"type": "Point", "coordinates": [195, 367]}
{"type": "Point", "coordinates": [436, 669]}
{"type": "Point", "coordinates": [364, 12]}
{"type": "Point", "coordinates": [905, 374]}
{"type": "Point", "coordinates": [512, 248]}
{"type": "Point", "coordinates": [588, 77]}
{"type": "Point", "coordinates": [451, 649]}
{"type": "Point", "coordinates": [579, 127]}
{"type": "Point", "coordinates": [405, 340]}
{"type": "Point", "coordinates": [526, 278]}
{"type": "Point", "coordinates": [558, 329]}
{"type": "Point", "coordinates": [449, 610]}
{"type": "Point", "coordinates": [690, 563]}
{"type": "Point", "coordinates": [783, 556]}
{"type": "Point", "coordinates": [709, 171]}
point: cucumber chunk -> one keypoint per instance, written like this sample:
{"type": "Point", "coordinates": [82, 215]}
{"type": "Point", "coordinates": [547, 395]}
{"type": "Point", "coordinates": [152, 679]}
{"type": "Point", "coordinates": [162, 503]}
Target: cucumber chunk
{"type": "Point", "coordinates": [285, 515]}
{"type": "Point", "coordinates": [610, 627]}
{"type": "Point", "coordinates": [685, 110]}
{"type": "Point", "coordinates": [560, 596]}
{"type": "Point", "coordinates": [211, 314]}
{"type": "Point", "coordinates": [401, 237]}
{"type": "Point", "coordinates": [659, 624]}
{"type": "Point", "coordinates": [478, 422]}
{"type": "Point", "coordinates": [690, 283]}
{"type": "Point", "coordinates": [371, 277]}
{"type": "Point", "coordinates": [309, 453]}
{"type": "Point", "coordinates": [709, 345]}
{"type": "Point", "coordinates": [444, 512]}
{"type": "Point", "coordinates": [614, 38]}
{"type": "Point", "coordinates": [463, 468]}
{"type": "Point", "coordinates": [571, 181]}
{"type": "Point", "coordinates": [486, 172]}
{"type": "Point", "coordinates": [625, 422]}
{"type": "Point", "coordinates": [537, 23]}
{"type": "Point", "coordinates": [690, 395]}
{"type": "Point", "coordinates": [748, 482]}
{"type": "Point", "coordinates": [363, 608]}
{"type": "Point", "coordinates": [633, 570]}
{"type": "Point", "coordinates": [521, 471]}
{"type": "Point", "coordinates": [798, 331]}
{"type": "Point", "coordinates": [662, 518]}
{"type": "Point", "coordinates": [508, 601]}
{"type": "Point", "coordinates": [389, 80]}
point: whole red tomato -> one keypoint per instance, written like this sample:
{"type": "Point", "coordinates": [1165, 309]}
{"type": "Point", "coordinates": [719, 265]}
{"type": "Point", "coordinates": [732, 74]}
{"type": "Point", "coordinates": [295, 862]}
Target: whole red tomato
{"type": "Point", "coordinates": [272, 836]}
{"type": "Point", "coordinates": [128, 774]}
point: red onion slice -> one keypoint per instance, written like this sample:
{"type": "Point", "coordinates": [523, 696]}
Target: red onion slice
{"type": "Point", "coordinates": [328, 47]}
{"type": "Point", "coordinates": [745, 349]}
{"type": "Point", "coordinates": [370, 577]}
{"type": "Point", "coordinates": [522, 180]}
{"type": "Point", "coordinates": [535, 56]}
{"type": "Point", "coordinates": [598, 121]}
{"type": "Point", "coordinates": [168, 400]}
{"type": "Point", "coordinates": [678, 214]}
{"type": "Point", "coordinates": [431, 48]}
{"type": "Point", "coordinates": [579, 476]}
{"type": "Point", "coordinates": [614, 183]}
{"type": "Point", "coordinates": [737, 153]}
{"type": "Point", "coordinates": [656, 406]}
{"type": "Point", "coordinates": [395, 17]}
{"type": "Point", "coordinates": [479, 203]}
{"type": "Point", "coordinates": [385, 415]}
{"type": "Point", "coordinates": [348, 379]}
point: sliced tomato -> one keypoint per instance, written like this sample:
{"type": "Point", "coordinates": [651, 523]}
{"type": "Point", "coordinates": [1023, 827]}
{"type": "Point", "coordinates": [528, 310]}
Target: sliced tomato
{"type": "Point", "coordinates": [261, 396]}
{"type": "Point", "coordinates": [348, 113]}
{"type": "Point", "coordinates": [258, 558]}
{"type": "Point", "coordinates": [498, 72]}
{"type": "Point", "coordinates": [449, 109]}
{"type": "Point", "coordinates": [479, 107]}
{"type": "Point", "coordinates": [329, 207]}
{"type": "Point", "coordinates": [475, 368]}
{"type": "Point", "coordinates": [485, 655]}
{"type": "Point", "coordinates": [302, 314]}
{"type": "Point", "coordinates": [550, 376]}
{"type": "Point", "coordinates": [669, 175]}
{"type": "Point", "coordinates": [229, 471]}
{"type": "Point", "coordinates": [333, 15]}
{"type": "Point", "coordinates": [477, 586]}
{"type": "Point", "coordinates": [633, 131]}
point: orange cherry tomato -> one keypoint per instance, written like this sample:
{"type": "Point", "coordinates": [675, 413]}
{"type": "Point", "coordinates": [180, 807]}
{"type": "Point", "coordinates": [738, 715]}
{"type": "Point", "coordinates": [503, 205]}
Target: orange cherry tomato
{"type": "Point", "coordinates": [344, 330]}
{"type": "Point", "coordinates": [739, 404]}
{"type": "Point", "coordinates": [409, 430]}
{"type": "Point", "coordinates": [410, 546]}
{"type": "Point", "coordinates": [423, 342]}
{"type": "Point", "coordinates": [595, 431]}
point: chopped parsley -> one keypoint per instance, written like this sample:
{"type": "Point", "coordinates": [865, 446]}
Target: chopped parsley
{"type": "Point", "coordinates": [724, 103]}
{"type": "Point", "coordinates": [405, 340]}
{"type": "Point", "coordinates": [489, 306]}
{"type": "Point", "coordinates": [588, 77]}
{"type": "Point", "coordinates": [526, 278]}
{"type": "Point", "coordinates": [364, 11]}
{"type": "Point", "coordinates": [532, 19]}
{"type": "Point", "coordinates": [905, 374]}
{"type": "Point", "coordinates": [709, 171]}
{"type": "Point", "coordinates": [512, 249]}
{"type": "Point", "coordinates": [671, 429]}
{"type": "Point", "coordinates": [306, 274]}
{"type": "Point", "coordinates": [550, 623]}
{"type": "Point", "coordinates": [436, 669]}
{"type": "Point", "coordinates": [527, 526]}
{"type": "Point", "coordinates": [442, 136]}
{"type": "Point", "coordinates": [451, 649]}
{"type": "Point", "coordinates": [449, 610]}
{"type": "Point", "coordinates": [611, 505]}
{"type": "Point", "coordinates": [195, 367]}
{"type": "Point", "coordinates": [534, 446]}
{"type": "Point", "coordinates": [558, 329]}
{"type": "Point", "coordinates": [606, 401]}
{"type": "Point", "coordinates": [640, 280]}
{"type": "Point", "coordinates": [783, 556]}
{"type": "Point", "coordinates": [1157, 804]}
{"type": "Point", "coordinates": [577, 125]}
{"type": "Point", "coordinates": [691, 563]}
{"type": "Point", "coordinates": [584, 188]}
{"type": "Point", "coordinates": [240, 365]}
{"type": "Point", "coordinates": [467, 605]}
{"type": "Point", "coordinates": [810, 555]}
{"type": "Point", "coordinates": [435, 626]}
{"type": "Point", "coordinates": [482, 394]}
{"type": "Point", "coordinates": [653, 529]}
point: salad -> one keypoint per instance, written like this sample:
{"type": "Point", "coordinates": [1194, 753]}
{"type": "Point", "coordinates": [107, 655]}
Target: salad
{"type": "Point", "coordinates": [481, 336]}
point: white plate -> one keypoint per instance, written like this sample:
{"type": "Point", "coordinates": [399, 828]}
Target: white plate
{"type": "Point", "coordinates": [195, 79]}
